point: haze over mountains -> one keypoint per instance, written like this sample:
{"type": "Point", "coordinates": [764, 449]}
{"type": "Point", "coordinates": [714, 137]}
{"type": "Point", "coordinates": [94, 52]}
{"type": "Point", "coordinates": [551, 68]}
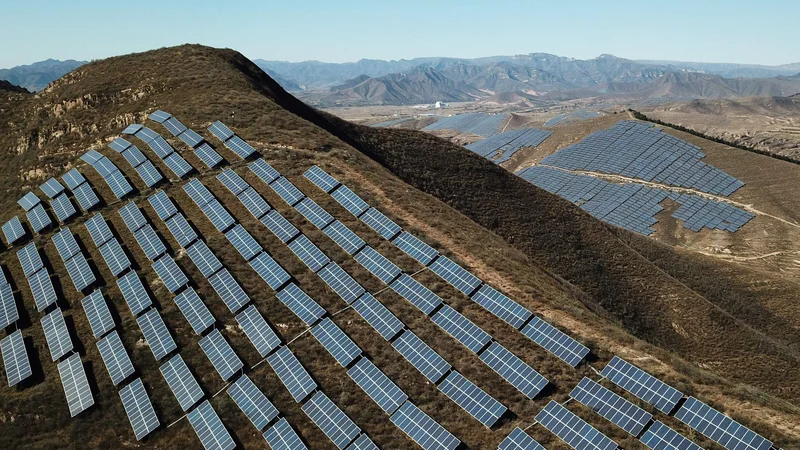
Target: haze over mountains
{"type": "Point", "coordinates": [36, 76]}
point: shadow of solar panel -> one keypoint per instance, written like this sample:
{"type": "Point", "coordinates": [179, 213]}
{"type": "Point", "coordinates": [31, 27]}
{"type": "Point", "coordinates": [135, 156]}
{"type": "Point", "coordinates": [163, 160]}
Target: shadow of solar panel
{"type": "Point", "coordinates": [611, 406]}
{"type": "Point", "coordinates": [197, 191]}
{"type": "Point", "coordinates": [378, 316]}
{"type": "Point", "coordinates": [363, 442]}
{"type": "Point", "coordinates": [571, 429]}
{"type": "Point", "coordinates": [642, 384]}
{"type": "Point", "coordinates": [232, 181]}
{"type": "Point", "coordinates": [472, 399]}
{"type": "Point", "coordinates": [514, 370]}
{"type": "Point", "coordinates": [661, 437]}
{"type": "Point", "coordinates": [279, 226]}
{"type": "Point", "coordinates": [422, 429]}
{"type": "Point", "coordinates": [28, 201]}
{"type": "Point", "coordinates": [286, 190]}
{"type": "Point", "coordinates": [65, 243]}
{"type": "Point", "coordinates": [415, 248]}
{"type": "Point", "coordinates": [519, 440]}
{"type": "Point", "coordinates": [8, 306]}
{"type": "Point", "coordinates": [719, 427]}
{"type": "Point", "coordinates": [269, 271]}
{"type": "Point", "coordinates": [181, 382]}
{"type": "Point", "coordinates": [114, 257]}
{"type": "Point", "coordinates": [63, 208]}
{"type": "Point", "coordinates": [380, 223]}
{"type": "Point", "coordinates": [194, 310]}
{"type": "Point", "coordinates": [321, 179]}
{"type": "Point", "coordinates": [229, 290]}
{"type": "Point", "coordinates": [461, 328]}
{"type": "Point", "coordinates": [254, 202]}
{"type": "Point", "coordinates": [140, 411]}
{"type": "Point", "coordinates": [38, 218]}
{"type": "Point", "coordinates": [15, 358]}
{"type": "Point", "coordinates": [421, 356]}
{"type": "Point", "coordinates": [336, 342]}
{"type": "Point", "coordinates": [98, 229]}
{"type": "Point", "coordinates": [76, 386]}
{"type": "Point", "coordinates": [344, 237]}
{"type": "Point", "coordinates": [220, 131]}
{"type": "Point", "coordinates": [454, 274]}
{"type": "Point", "coordinates": [162, 205]}
{"type": "Point", "coordinates": [204, 259]}
{"type": "Point", "coordinates": [133, 155]}
{"type": "Point", "coordinates": [292, 374]}
{"type": "Point", "coordinates": [243, 242]}
{"type": "Point", "coordinates": [258, 331]}
{"type": "Point", "coordinates": [341, 282]}
{"type": "Point", "coordinates": [118, 184]}
{"type": "Point", "coordinates": [79, 272]}
{"type": "Point", "coordinates": [149, 242]}
{"type": "Point", "coordinates": [132, 216]}
{"type": "Point", "coordinates": [29, 259]}
{"type": "Point", "coordinates": [209, 428]}
{"type": "Point", "coordinates": [382, 390]}
{"type": "Point", "coordinates": [303, 306]}
{"type": "Point", "coordinates": [253, 403]}
{"type": "Point", "coordinates": [115, 357]}
{"type": "Point", "coordinates": [501, 306]}
{"type": "Point", "coordinates": [51, 187]}
{"type": "Point", "coordinates": [73, 178]}
{"type": "Point", "coordinates": [309, 253]}
{"type": "Point", "coordinates": [149, 174]}
{"type": "Point", "coordinates": [180, 229]}
{"type": "Point", "coordinates": [240, 147]}
{"type": "Point", "coordinates": [174, 126]}
{"type": "Point", "coordinates": [86, 196]}
{"type": "Point", "coordinates": [263, 170]}
{"type": "Point", "coordinates": [339, 428]}
{"type": "Point", "coordinates": [170, 274]}
{"type": "Point", "coordinates": [282, 436]}
{"type": "Point", "coordinates": [350, 200]}
{"type": "Point", "coordinates": [134, 293]}
{"type": "Point", "coordinates": [55, 332]}
{"type": "Point", "coordinates": [221, 355]}
{"type": "Point", "coordinates": [156, 334]}
{"type": "Point", "coordinates": [219, 217]}
{"type": "Point", "coordinates": [42, 289]}
{"type": "Point", "coordinates": [178, 165]}
{"type": "Point", "coordinates": [314, 213]}
{"type": "Point", "coordinates": [377, 264]}
{"type": "Point", "coordinates": [96, 309]}
{"type": "Point", "coordinates": [555, 341]}
{"type": "Point", "coordinates": [192, 139]}
{"type": "Point", "coordinates": [204, 152]}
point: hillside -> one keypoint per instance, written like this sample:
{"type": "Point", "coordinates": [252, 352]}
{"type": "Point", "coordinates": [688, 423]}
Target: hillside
{"type": "Point", "coordinates": [728, 337]}
{"type": "Point", "coordinates": [36, 76]}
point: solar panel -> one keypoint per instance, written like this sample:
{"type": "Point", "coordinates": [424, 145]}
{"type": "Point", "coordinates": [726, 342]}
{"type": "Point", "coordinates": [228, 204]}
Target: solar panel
{"type": "Point", "coordinates": [180, 229]}
{"type": "Point", "coordinates": [232, 181]}
{"type": "Point", "coordinates": [149, 174]}
{"type": "Point", "coordinates": [720, 428]}
{"type": "Point", "coordinates": [56, 334]}
{"type": "Point", "coordinates": [13, 230]}
{"type": "Point", "coordinates": [303, 306]}
{"type": "Point", "coordinates": [380, 223]}
{"type": "Point", "coordinates": [281, 436]}
{"type": "Point", "coordinates": [350, 200]}
{"type": "Point", "coordinates": [159, 116]}
{"type": "Point", "coordinates": [222, 132]}
{"type": "Point", "coordinates": [382, 390]}
{"type": "Point", "coordinates": [192, 139]}
{"type": "Point", "coordinates": [341, 282]}
{"type": "Point", "coordinates": [132, 216]}
{"type": "Point", "coordinates": [219, 217]}
{"type": "Point", "coordinates": [29, 259]}
{"type": "Point", "coordinates": [254, 202]}
{"type": "Point", "coordinates": [86, 197]}
{"type": "Point", "coordinates": [98, 229]}
{"type": "Point", "coordinates": [363, 442]}
{"type": "Point", "coordinates": [415, 247]}
{"type": "Point", "coordinates": [339, 428]}
{"type": "Point", "coordinates": [519, 440]}
{"type": "Point", "coordinates": [79, 272]}
{"type": "Point", "coordinates": [65, 243]}
{"type": "Point", "coordinates": [269, 270]}
{"type": "Point", "coordinates": [314, 213]}
{"type": "Point", "coordinates": [131, 129]}
{"type": "Point", "coordinates": [115, 358]}
{"type": "Point", "coordinates": [321, 179]}
{"type": "Point", "coordinates": [421, 356]}
{"type": "Point", "coordinates": [253, 403]}
{"type": "Point", "coordinates": [115, 257]}
{"type": "Point", "coordinates": [309, 253]}
{"type": "Point", "coordinates": [194, 310]}
{"type": "Point", "coordinates": [258, 331]}
{"type": "Point", "coordinates": [279, 226]}
{"type": "Point", "coordinates": [174, 126]}
{"type": "Point", "coordinates": [378, 316]}
{"type": "Point", "coordinates": [161, 147]}
{"type": "Point", "coordinates": [611, 406]}
{"type": "Point", "coordinates": [181, 382]}
{"type": "Point", "coordinates": [197, 191]}
{"type": "Point", "coordinates": [514, 370]}
{"type": "Point", "coordinates": [203, 258]}
{"type": "Point", "coordinates": [156, 334]}
{"type": "Point", "coordinates": [178, 165]}
{"type": "Point", "coordinates": [229, 291]}
{"type": "Point", "coordinates": [243, 242]}
{"type": "Point", "coordinates": [169, 272]}
{"type": "Point", "coordinates": [472, 399]}
{"type": "Point", "coordinates": [149, 242]}
{"type": "Point", "coordinates": [73, 178]}
{"type": "Point", "coordinates": [661, 437]}
{"type": "Point", "coordinates": [76, 386]}
{"type": "Point", "coordinates": [292, 374]}
{"type": "Point", "coordinates": [221, 355]}
{"type": "Point", "coordinates": [28, 201]}
{"type": "Point", "coordinates": [417, 294]}
{"type": "Point", "coordinates": [642, 384]}
{"type": "Point", "coordinates": [118, 184]}
{"type": "Point", "coordinates": [96, 309]}
{"type": "Point", "coordinates": [209, 428]}
{"type": "Point", "coordinates": [573, 430]}
{"type": "Point", "coordinates": [286, 190]}
{"type": "Point", "coordinates": [461, 328]}
{"type": "Point", "coordinates": [92, 156]}
{"type": "Point", "coordinates": [8, 306]}
{"type": "Point", "coordinates": [139, 409]}
{"type": "Point", "coordinates": [38, 218]}
{"type": "Point", "coordinates": [377, 264]}
{"type": "Point", "coordinates": [63, 207]}
{"type": "Point", "coordinates": [205, 152]}
{"type": "Point", "coordinates": [134, 156]}
{"type": "Point", "coordinates": [336, 342]}
{"type": "Point", "coordinates": [454, 274]}
{"type": "Point", "coordinates": [44, 294]}
{"type": "Point", "coordinates": [344, 237]}
{"type": "Point", "coordinates": [163, 205]}
{"type": "Point", "coordinates": [501, 306]}
{"type": "Point", "coordinates": [15, 358]}
{"type": "Point", "coordinates": [263, 170]}
{"type": "Point", "coordinates": [555, 341]}
{"type": "Point", "coordinates": [51, 188]}
{"type": "Point", "coordinates": [422, 429]}
{"type": "Point", "coordinates": [134, 293]}
{"type": "Point", "coordinates": [240, 147]}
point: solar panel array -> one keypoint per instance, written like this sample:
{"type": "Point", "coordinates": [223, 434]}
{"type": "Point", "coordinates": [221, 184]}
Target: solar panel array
{"type": "Point", "coordinates": [202, 149]}
{"type": "Point", "coordinates": [13, 230]}
{"type": "Point", "coordinates": [76, 386]}
{"type": "Point", "coordinates": [15, 358]}
{"type": "Point", "coordinates": [163, 150]}
{"type": "Point", "coordinates": [482, 124]}
{"type": "Point", "coordinates": [110, 173]}
{"type": "Point", "coordinates": [258, 330]}
{"type": "Point", "coordinates": [143, 166]}
{"type": "Point", "coordinates": [281, 436]}
{"type": "Point", "coordinates": [514, 370]}
{"type": "Point", "coordinates": [642, 384]}
{"type": "Point", "coordinates": [429, 363]}
{"type": "Point", "coordinates": [613, 407]}
{"type": "Point", "coordinates": [555, 341]}
{"type": "Point", "coordinates": [194, 310]}
{"type": "Point", "coordinates": [139, 409]}
{"type": "Point", "coordinates": [720, 428]}
{"type": "Point", "coordinates": [336, 342]}
{"type": "Point", "coordinates": [209, 428]}
{"type": "Point", "coordinates": [501, 147]}
{"type": "Point", "coordinates": [573, 430]}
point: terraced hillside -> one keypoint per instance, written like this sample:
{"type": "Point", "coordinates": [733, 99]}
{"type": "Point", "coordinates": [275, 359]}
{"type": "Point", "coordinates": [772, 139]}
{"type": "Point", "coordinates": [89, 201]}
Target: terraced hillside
{"type": "Point", "coordinates": [616, 293]}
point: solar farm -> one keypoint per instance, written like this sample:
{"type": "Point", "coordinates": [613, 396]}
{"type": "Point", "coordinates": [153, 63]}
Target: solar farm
{"type": "Point", "coordinates": [482, 124]}
{"type": "Point", "coordinates": [128, 237]}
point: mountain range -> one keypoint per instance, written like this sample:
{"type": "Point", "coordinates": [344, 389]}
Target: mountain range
{"type": "Point", "coordinates": [36, 76]}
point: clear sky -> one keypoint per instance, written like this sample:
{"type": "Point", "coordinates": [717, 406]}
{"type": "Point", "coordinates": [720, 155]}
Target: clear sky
{"type": "Point", "coordinates": [759, 32]}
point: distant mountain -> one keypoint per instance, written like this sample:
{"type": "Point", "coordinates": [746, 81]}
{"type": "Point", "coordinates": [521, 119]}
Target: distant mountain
{"type": "Point", "coordinates": [286, 83]}
{"type": "Point", "coordinates": [36, 76]}
{"type": "Point", "coordinates": [8, 87]}
{"type": "Point", "coordinates": [729, 70]}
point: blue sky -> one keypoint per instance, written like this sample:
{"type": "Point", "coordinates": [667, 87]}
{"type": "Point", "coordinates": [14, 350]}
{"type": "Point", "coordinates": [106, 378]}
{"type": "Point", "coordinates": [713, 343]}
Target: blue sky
{"type": "Point", "coordinates": [763, 32]}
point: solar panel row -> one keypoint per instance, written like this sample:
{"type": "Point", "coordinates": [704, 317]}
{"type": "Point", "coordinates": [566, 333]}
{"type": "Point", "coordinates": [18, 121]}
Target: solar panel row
{"type": "Point", "coordinates": [111, 174]}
